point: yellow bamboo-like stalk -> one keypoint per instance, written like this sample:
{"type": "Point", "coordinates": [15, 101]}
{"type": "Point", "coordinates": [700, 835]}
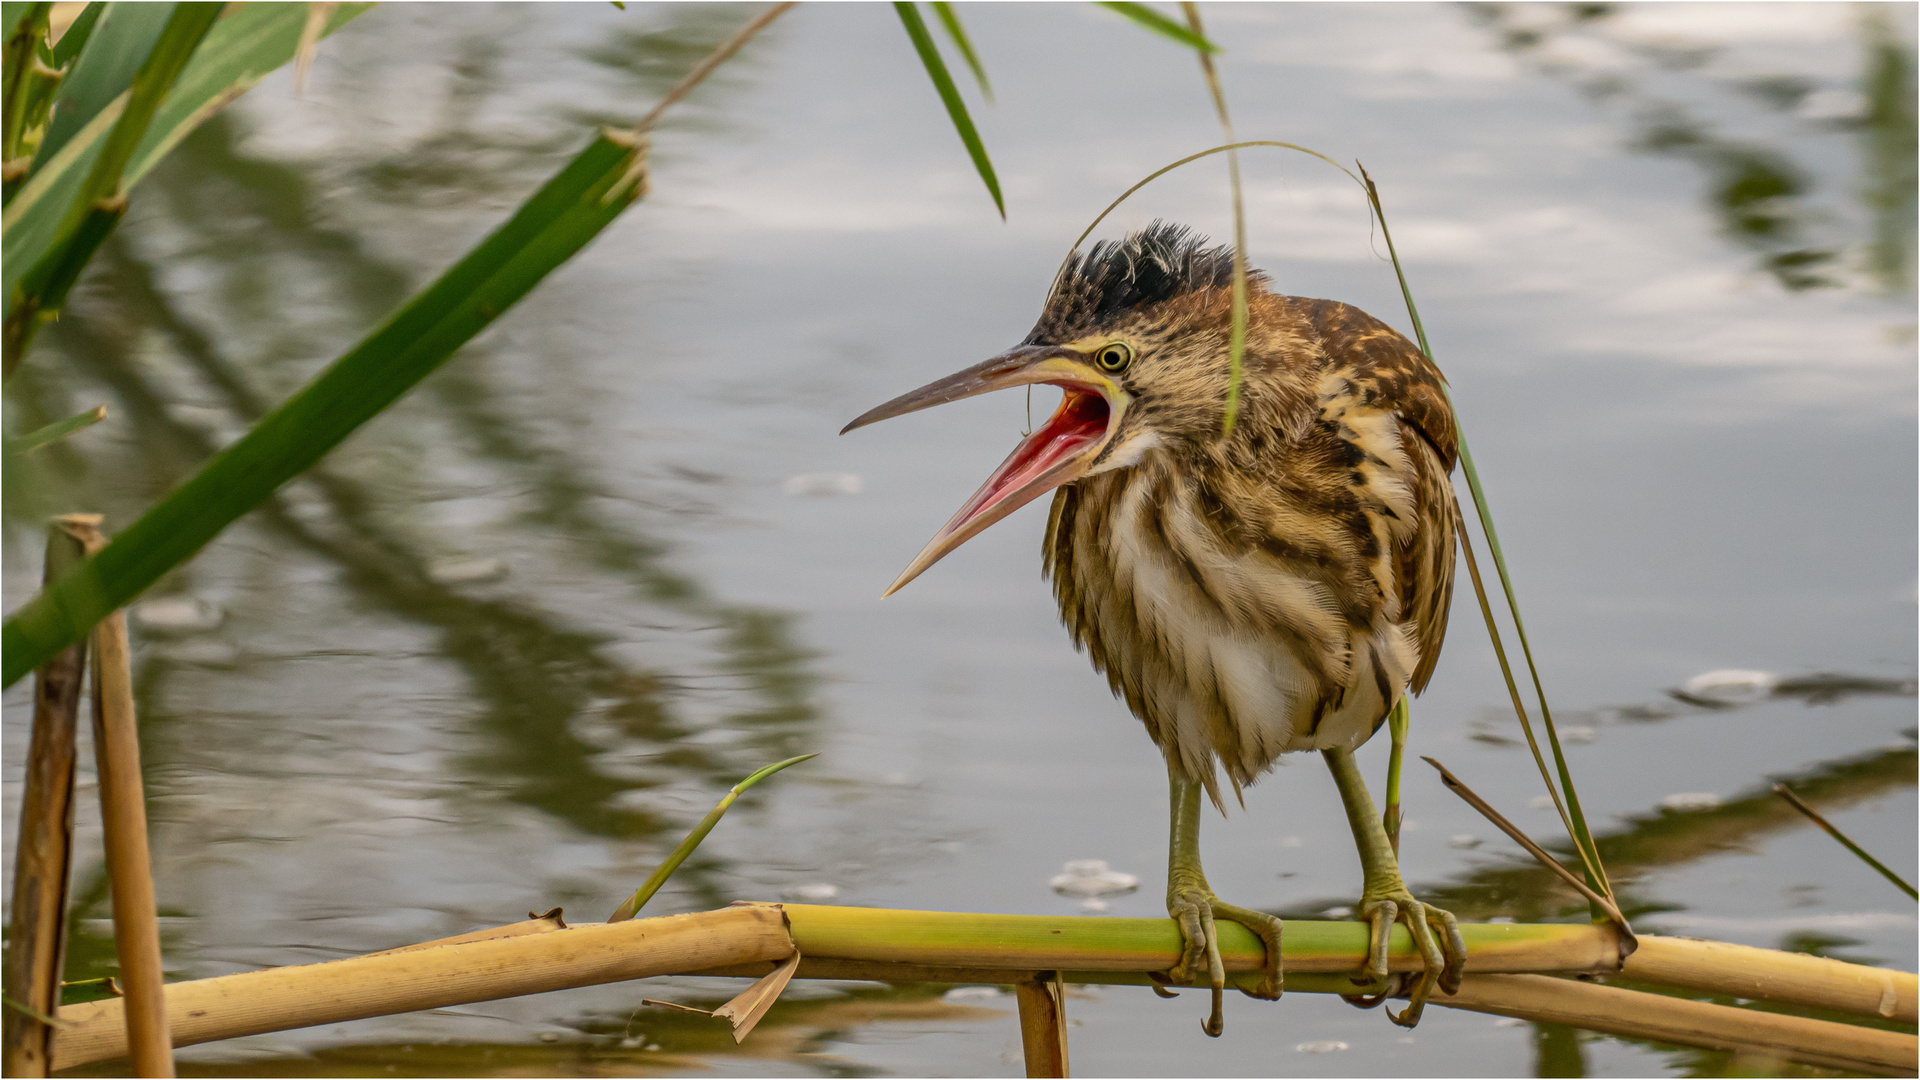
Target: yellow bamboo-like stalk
{"type": "Point", "coordinates": [123, 811]}
{"type": "Point", "coordinates": [1043, 1024]}
{"type": "Point", "coordinates": [749, 940]}
{"type": "Point", "coordinates": [1771, 975]}
{"type": "Point", "coordinates": [1689, 1023]}
{"type": "Point", "coordinates": [381, 984]}
{"type": "Point", "coordinates": [43, 851]}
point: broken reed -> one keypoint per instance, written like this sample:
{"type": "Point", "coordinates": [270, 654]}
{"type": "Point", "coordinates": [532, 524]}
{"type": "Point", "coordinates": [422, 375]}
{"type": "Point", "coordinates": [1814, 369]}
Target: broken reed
{"type": "Point", "coordinates": [1507, 974]}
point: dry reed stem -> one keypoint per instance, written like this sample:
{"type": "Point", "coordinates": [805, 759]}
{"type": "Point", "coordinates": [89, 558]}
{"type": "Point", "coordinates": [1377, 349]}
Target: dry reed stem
{"type": "Point", "coordinates": [1043, 1023]}
{"type": "Point", "coordinates": [1689, 1023]}
{"type": "Point", "coordinates": [43, 850]}
{"type": "Point", "coordinates": [750, 940]}
{"type": "Point", "coordinates": [123, 812]}
{"type": "Point", "coordinates": [1769, 975]}
{"type": "Point", "coordinates": [277, 999]}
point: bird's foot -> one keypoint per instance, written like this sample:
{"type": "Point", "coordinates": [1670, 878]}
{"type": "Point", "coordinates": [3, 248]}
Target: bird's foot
{"type": "Point", "coordinates": [1435, 933]}
{"type": "Point", "coordinates": [1196, 909]}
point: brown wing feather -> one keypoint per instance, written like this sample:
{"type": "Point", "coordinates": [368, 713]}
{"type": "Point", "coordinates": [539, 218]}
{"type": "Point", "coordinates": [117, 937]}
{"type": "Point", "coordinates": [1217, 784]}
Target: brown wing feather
{"type": "Point", "coordinates": [1424, 567]}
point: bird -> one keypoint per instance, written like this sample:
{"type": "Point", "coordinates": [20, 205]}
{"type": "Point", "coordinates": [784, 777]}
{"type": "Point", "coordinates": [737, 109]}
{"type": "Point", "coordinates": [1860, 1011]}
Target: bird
{"type": "Point", "coordinates": [1272, 585]}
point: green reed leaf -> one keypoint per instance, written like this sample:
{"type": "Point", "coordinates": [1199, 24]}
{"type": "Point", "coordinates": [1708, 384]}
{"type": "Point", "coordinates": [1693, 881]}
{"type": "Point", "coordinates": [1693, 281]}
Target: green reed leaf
{"type": "Point", "coordinates": [1571, 814]}
{"type": "Point", "coordinates": [1160, 24]}
{"type": "Point", "coordinates": [548, 229]}
{"type": "Point", "coordinates": [120, 44]}
{"type": "Point", "coordinates": [99, 204]}
{"type": "Point", "coordinates": [958, 33]}
{"type": "Point", "coordinates": [632, 905]}
{"type": "Point", "coordinates": [956, 109]}
{"type": "Point", "coordinates": [59, 429]}
{"type": "Point", "coordinates": [243, 48]}
{"type": "Point", "coordinates": [78, 34]}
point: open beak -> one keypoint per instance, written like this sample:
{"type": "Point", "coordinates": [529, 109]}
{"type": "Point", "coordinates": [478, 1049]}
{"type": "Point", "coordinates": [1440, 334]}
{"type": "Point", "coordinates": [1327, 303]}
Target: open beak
{"type": "Point", "coordinates": [1058, 452]}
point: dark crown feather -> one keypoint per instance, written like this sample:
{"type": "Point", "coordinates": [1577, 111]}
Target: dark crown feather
{"type": "Point", "coordinates": [1149, 267]}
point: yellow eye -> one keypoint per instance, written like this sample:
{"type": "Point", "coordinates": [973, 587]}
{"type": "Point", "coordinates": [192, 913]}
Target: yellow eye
{"type": "Point", "coordinates": [1114, 356]}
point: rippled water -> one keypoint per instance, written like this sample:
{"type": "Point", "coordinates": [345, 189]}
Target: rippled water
{"type": "Point", "coordinates": [511, 640]}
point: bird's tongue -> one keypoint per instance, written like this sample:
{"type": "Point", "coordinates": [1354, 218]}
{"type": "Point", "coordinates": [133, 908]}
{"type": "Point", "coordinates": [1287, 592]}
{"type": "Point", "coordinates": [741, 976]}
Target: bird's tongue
{"type": "Point", "coordinates": [1044, 460]}
{"type": "Point", "coordinates": [1079, 423]}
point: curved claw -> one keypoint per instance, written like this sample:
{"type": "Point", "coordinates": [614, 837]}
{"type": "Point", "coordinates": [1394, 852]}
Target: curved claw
{"type": "Point", "coordinates": [1197, 914]}
{"type": "Point", "coordinates": [1435, 932]}
{"type": "Point", "coordinates": [1216, 1021]}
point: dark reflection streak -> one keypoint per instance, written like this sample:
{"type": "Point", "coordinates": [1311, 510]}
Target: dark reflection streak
{"type": "Point", "coordinates": [1763, 198]}
{"type": "Point", "coordinates": [534, 678]}
{"type": "Point", "coordinates": [1667, 838]}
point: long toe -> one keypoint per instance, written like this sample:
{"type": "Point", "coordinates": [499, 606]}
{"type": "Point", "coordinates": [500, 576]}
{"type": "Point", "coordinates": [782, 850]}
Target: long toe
{"type": "Point", "coordinates": [1268, 929]}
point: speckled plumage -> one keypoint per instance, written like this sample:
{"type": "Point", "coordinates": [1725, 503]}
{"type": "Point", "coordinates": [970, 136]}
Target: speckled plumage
{"type": "Point", "coordinates": [1277, 589]}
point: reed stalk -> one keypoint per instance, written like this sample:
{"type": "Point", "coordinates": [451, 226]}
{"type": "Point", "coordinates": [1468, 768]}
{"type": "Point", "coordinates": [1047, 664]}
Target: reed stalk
{"type": "Point", "coordinates": [1043, 1023]}
{"type": "Point", "coordinates": [43, 851]}
{"type": "Point", "coordinates": [1505, 964]}
{"type": "Point", "coordinates": [123, 810]}
{"type": "Point", "coordinates": [381, 984]}
{"type": "Point", "coordinates": [750, 940]}
{"type": "Point", "coordinates": [1771, 975]}
{"type": "Point", "coordinates": [1638, 1015]}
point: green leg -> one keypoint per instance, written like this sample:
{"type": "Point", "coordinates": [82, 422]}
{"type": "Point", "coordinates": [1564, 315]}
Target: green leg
{"type": "Point", "coordinates": [1194, 907]}
{"type": "Point", "coordinates": [1385, 899]}
{"type": "Point", "coordinates": [1397, 722]}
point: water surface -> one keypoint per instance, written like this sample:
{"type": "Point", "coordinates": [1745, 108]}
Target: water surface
{"type": "Point", "coordinates": [515, 636]}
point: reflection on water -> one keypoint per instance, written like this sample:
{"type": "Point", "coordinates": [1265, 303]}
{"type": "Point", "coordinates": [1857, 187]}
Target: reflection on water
{"type": "Point", "coordinates": [1765, 197]}
{"type": "Point", "coordinates": [507, 642]}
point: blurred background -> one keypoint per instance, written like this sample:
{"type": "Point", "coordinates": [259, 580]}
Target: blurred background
{"type": "Point", "coordinates": [502, 648]}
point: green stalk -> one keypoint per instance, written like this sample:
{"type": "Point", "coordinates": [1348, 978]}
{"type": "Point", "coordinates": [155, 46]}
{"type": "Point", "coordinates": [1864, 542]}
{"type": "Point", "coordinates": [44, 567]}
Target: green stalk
{"type": "Point", "coordinates": [1576, 820]}
{"type": "Point", "coordinates": [1813, 815]}
{"type": "Point", "coordinates": [632, 905]}
{"type": "Point", "coordinates": [28, 29]}
{"type": "Point", "coordinates": [1237, 332]}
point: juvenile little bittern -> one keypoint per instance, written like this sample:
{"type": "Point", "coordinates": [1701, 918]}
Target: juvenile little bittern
{"type": "Point", "coordinates": [1272, 589]}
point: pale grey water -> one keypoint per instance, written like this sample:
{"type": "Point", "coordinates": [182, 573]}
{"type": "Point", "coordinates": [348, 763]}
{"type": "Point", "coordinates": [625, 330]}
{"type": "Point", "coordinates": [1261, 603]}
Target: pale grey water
{"type": "Point", "coordinates": [1693, 466]}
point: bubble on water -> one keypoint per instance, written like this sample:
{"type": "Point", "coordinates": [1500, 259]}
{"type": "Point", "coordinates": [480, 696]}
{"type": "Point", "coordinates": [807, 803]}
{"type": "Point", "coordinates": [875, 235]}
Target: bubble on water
{"type": "Point", "coordinates": [1509, 1021]}
{"type": "Point", "coordinates": [1730, 686]}
{"type": "Point", "coordinates": [1321, 1046]}
{"type": "Point", "coordinates": [1686, 801]}
{"type": "Point", "coordinates": [549, 1036]}
{"type": "Point", "coordinates": [629, 1044]}
{"type": "Point", "coordinates": [822, 484]}
{"type": "Point", "coordinates": [971, 995]}
{"type": "Point", "coordinates": [1338, 911]}
{"type": "Point", "coordinates": [651, 1047]}
{"type": "Point", "coordinates": [465, 570]}
{"type": "Point", "coordinates": [1577, 734]}
{"type": "Point", "coordinates": [1092, 878]}
{"type": "Point", "coordinates": [179, 615]}
{"type": "Point", "coordinates": [813, 892]}
{"type": "Point", "coordinates": [1466, 841]}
